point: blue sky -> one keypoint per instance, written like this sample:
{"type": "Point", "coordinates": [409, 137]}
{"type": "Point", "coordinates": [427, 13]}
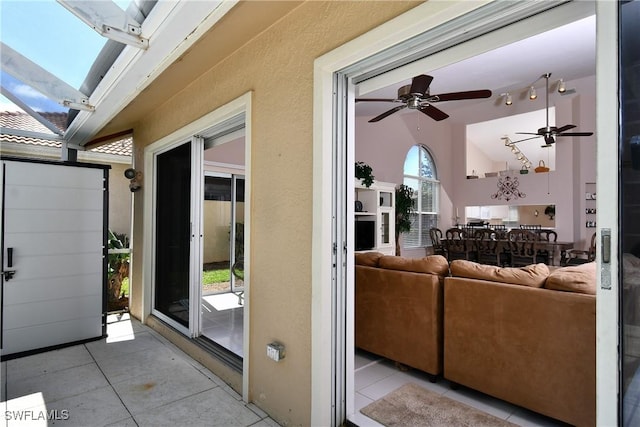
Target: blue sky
{"type": "Point", "coordinates": [52, 37]}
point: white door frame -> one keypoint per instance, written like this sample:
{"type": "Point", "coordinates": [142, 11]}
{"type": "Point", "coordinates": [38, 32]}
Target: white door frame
{"type": "Point", "coordinates": [227, 112]}
{"type": "Point", "coordinates": [326, 378]}
{"type": "Point", "coordinates": [608, 156]}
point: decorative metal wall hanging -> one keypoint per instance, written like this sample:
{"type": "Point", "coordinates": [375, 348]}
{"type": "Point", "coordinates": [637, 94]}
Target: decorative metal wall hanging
{"type": "Point", "coordinates": [508, 189]}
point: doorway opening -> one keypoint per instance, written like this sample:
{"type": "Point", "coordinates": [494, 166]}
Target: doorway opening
{"type": "Point", "coordinates": [352, 82]}
{"type": "Point", "coordinates": [198, 236]}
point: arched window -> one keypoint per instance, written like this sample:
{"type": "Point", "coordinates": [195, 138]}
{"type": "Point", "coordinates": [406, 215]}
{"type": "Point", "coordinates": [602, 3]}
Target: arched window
{"type": "Point", "coordinates": [420, 174]}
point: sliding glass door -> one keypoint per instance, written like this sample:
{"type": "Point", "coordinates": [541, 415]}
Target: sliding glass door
{"type": "Point", "coordinates": [173, 234]}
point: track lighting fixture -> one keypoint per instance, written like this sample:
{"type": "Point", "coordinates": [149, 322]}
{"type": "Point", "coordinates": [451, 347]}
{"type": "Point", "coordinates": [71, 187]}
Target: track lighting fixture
{"type": "Point", "coordinates": [562, 88]}
{"type": "Point", "coordinates": [508, 100]}
{"type": "Point", "coordinates": [532, 93]}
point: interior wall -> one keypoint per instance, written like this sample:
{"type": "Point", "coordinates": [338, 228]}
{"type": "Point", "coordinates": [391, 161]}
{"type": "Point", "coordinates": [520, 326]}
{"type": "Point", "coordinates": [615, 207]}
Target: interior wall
{"type": "Point", "coordinates": [277, 67]}
{"type": "Point", "coordinates": [384, 144]}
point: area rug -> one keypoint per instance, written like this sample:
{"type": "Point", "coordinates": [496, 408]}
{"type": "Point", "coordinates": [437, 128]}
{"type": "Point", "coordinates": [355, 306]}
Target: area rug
{"type": "Point", "coordinates": [412, 405]}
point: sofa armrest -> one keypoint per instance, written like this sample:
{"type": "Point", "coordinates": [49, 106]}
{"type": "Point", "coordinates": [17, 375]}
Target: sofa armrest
{"type": "Point", "coordinates": [398, 315]}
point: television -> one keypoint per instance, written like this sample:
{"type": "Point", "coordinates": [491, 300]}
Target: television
{"type": "Point", "coordinates": [365, 235]}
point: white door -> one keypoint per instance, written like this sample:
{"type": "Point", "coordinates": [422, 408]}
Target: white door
{"type": "Point", "coordinates": [54, 241]}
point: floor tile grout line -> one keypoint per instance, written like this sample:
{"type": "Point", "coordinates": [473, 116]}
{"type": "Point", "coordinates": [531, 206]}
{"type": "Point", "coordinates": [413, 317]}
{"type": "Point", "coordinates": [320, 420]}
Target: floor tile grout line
{"type": "Point", "coordinates": [112, 387]}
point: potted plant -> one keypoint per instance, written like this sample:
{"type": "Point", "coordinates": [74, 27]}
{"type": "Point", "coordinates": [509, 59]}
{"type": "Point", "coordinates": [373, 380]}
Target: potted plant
{"type": "Point", "coordinates": [404, 209]}
{"type": "Point", "coordinates": [550, 211]}
{"type": "Point", "coordinates": [364, 174]}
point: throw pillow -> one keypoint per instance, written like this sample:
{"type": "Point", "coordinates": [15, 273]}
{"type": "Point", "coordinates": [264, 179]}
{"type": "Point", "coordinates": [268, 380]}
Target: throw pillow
{"type": "Point", "coordinates": [533, 275]}
{"type": "Point", "coordinates": [367, 258]}
{"type": "Point", "coordinates": [431, 264]}
{"type": "Point", "coordinates": [580, 278]}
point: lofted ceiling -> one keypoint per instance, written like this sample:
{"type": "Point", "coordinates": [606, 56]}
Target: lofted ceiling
{"type": "Point", "coordinates": [568, 52]}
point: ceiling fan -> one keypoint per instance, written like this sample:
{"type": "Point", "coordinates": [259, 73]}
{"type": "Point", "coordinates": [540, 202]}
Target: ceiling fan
{"type": "Point", "coordinates": [550, 133]}
{"type": "Point", "coordinates": [416, 96]}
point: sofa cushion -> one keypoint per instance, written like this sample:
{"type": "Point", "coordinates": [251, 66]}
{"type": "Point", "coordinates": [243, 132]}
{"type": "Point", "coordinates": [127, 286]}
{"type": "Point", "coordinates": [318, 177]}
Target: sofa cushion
{"type": "Point", "coordinates": [369, 259]}
{"type": "Point", "coordinates": [431, 264]}
{"type": "Point", "coordinates": [533, 275]}
{"type": "Point", "coordinates": [580, 278]}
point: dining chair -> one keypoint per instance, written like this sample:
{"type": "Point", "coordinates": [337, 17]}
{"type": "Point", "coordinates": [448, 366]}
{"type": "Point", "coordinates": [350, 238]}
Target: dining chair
{"type": "Point", "coordinates": [546, 255]}
{"type": "Point", "coordinates": [436, 241]}
{"type": "Point", "coordinates": [577, 256]}
{"type": "Point", "coordinates": [485, 246]}
{"type": "Point", "coordinates": [456, 244]}
{"type": "Point", "coordinates": [522, 247]}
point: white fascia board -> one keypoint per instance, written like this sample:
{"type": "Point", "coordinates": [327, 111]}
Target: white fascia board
{"type": "Point", "coordinates": [172, 28]}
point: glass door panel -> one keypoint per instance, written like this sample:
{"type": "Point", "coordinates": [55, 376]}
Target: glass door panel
{"type": "Point", "coordinates": [629, 16]}
{"type": "Point", "coordinates": [217, 231]}
{"type": "Point", "coordinates": [173, 234]}
{"type": "Point", "coordinates": [237, 242]}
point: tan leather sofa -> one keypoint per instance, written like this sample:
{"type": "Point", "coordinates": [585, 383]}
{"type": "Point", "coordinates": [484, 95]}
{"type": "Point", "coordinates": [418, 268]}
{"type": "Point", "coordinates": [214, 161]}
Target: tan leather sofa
{"type": "Point", "coordinates": [524, 335]}
{"type": "Point", "coordinates": [398, 308]}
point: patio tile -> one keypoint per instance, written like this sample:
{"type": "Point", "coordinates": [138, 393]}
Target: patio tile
{"type": "Point", "coordinates": [46, 363]}
{"type": "Point", "coordinates": [98, 407]}
{"type": "Point", "coordinates": [212, 408]}
{"type": "Point", "coordinates": [150, 362]}
{"type": "Point", "coordinates": [158, 387]}
{"type": "Point", "coordinates": [143, 341]}
{"type": "Point", "coordinates": [60, 384]}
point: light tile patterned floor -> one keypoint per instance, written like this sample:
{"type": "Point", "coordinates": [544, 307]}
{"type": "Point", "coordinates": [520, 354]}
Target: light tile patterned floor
{"type": "Point", "coordinates": [375, 377]}
{"type": "Point", "coordinates": [135, 377]}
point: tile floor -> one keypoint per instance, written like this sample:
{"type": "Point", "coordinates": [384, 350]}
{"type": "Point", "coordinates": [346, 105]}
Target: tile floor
{"type": "Point", "coordinates": [135, 377]}
{"type": "Point", "coordinates": [375, 377]}
{"type": "Point", "coordinates": [223, 319]}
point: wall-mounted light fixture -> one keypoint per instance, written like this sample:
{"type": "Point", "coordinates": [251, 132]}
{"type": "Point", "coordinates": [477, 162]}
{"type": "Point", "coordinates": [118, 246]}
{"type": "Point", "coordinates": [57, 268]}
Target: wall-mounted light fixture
{"type": "Point", "coordinates": [135, 179]}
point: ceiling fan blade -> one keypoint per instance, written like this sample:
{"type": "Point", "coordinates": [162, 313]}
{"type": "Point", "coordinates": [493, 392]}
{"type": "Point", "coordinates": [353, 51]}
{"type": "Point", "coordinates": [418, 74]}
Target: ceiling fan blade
{"type": "Point", "coordinates": [564, 128]}
{"type": "Point", "coordinates": [527, 133]}
{"type": "Point", "coordinates": [433, 112]}
{"type": "Point", "coordinates": [420, 84]}
{"type": "Point", "coordinates": [387, 113]}
{"type": "Point", "coordinates": [575, 134]}
{"type": "Point", "coordinates": [527, 139]}
{"type": "Point", "coordinates": [458, 96]}
{"type": "Point", "coordinates": [375, 100]}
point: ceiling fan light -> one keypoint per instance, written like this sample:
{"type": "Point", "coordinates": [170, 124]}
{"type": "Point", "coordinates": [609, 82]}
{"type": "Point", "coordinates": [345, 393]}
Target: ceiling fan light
{"type": "Point", "coordinates": [532, 93]}
{"type": "Point", "coordinates": [562, 88]}
{"type": "Point", "coordinates": [508, 100]}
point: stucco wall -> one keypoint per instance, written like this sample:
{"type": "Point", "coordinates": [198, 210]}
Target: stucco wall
{"type": "Point", "coordinates": [277, 67]}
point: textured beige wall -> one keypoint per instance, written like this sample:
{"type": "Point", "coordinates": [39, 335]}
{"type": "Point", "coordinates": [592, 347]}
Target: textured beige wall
{"type": "Point", "coordinates": [277, 67]}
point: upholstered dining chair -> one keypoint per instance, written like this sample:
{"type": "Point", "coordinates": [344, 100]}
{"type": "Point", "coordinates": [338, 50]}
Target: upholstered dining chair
{"type": "Point", "coordinates": [436, 242]}
{"type": "Point", "coordinates": [522, 247]}
{"type": "Point", "coordinates": [577, 256]}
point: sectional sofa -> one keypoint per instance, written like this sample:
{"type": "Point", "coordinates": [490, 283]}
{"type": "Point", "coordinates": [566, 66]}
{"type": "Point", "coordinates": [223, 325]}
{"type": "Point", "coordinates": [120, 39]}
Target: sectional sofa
{"type": "Point", "coordinates": [524, 335]}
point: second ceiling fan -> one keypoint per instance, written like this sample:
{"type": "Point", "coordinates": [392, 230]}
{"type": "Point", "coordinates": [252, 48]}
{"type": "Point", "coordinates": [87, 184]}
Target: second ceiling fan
{"type": "Point", "coordinates": [550, 133]}
{"type": "Point", "coordinates": [416, 96]}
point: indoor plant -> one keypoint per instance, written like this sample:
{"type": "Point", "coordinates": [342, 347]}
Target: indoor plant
{"type": "Point", "coordinates": [364, 174]}
{"type": "Point", "coordinates": [404, 209]}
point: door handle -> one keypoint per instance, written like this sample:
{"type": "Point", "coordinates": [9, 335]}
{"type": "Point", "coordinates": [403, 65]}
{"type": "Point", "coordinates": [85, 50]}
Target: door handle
{"type": "Point", "coordinates": [8, 274]}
